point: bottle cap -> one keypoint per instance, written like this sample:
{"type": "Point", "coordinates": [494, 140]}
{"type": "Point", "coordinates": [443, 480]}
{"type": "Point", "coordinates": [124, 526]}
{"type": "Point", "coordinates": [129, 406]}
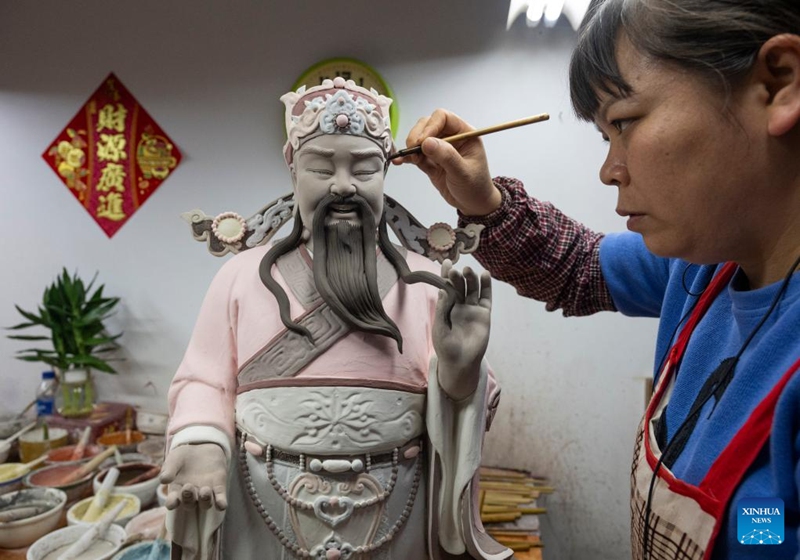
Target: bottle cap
{"type": "Point", "coordinates": [48, 375]}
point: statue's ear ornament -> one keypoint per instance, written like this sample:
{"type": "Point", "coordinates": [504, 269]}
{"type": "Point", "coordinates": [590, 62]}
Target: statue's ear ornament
{"type": "Point", "coordinates": [228, 232]}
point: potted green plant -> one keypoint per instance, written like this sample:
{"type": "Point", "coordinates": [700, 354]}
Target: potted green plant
{"type": "Point", "coordinates": [74, 316]}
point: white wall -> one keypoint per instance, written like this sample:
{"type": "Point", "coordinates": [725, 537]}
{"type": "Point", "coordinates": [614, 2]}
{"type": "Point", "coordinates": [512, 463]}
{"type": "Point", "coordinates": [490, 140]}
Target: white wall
{"type": "Point", "coordinates": [210, 73]}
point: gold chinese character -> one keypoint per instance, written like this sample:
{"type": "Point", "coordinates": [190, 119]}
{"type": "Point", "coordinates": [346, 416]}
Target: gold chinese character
{"type": "Point", "coordinates": [113, 177]}
{"type": "Point", "coordinates": [111, 147]}
{"type": "Point", "coordinates": [111, 207]}
{"type": "Point", "coordinates": [108, 117]}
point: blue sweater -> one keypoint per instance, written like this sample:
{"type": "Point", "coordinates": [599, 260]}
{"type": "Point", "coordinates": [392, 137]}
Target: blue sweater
{"type": "Point", "coordinates": [643, 285]}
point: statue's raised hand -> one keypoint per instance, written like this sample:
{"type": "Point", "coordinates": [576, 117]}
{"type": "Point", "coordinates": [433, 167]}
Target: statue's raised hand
{"type": "Point", "coordinates": [197, 476]}
{"type": "Point", "coordinates": [461, 329]}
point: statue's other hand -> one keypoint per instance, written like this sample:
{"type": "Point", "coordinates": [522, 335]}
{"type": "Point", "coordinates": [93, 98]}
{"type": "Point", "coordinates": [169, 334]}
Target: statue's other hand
{"type": "Point", "coordinates": [196, 476]}
{"type": "Point", "coordinates": [461, 329]}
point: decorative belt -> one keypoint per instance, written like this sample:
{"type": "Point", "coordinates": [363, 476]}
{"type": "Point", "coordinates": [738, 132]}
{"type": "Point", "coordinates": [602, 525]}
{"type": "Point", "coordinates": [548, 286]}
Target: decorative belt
{"type": "Point", "coordinates": [333, 463]}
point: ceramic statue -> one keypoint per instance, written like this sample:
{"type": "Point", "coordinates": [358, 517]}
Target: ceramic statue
{"type": "Point", "coordinates": [333, 399]}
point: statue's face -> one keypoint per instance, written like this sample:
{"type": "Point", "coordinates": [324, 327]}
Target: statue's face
{"type": "Point", "coordinates": [338, 164]}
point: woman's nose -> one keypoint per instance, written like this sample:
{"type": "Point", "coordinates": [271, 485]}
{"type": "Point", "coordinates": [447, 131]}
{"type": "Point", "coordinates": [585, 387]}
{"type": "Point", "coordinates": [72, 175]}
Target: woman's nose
{"type": "Point", "coordinates": [614, 171]}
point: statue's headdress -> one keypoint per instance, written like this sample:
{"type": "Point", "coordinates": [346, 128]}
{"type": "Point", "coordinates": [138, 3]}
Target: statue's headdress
{"type": "Point", "coordinates": [336, 106]}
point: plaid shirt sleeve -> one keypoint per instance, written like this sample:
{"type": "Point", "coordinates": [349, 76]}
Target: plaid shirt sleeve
{"type": "Point", "coordinates": [544, 254]}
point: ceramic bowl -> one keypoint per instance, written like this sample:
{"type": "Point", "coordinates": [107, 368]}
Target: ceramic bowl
{"type": "Point", "coordinates": [148, 523]}
{"type": "Point", "coordinates": [120, 439]}
{"type": "Point", "coordinates": [11, 484]}
{"type": "Point", "coordinates": [145, 490]}
{"type": "Point", "coordinates": [57, 542]}
{"type": "Point", "coordinates": [142, 550]}
{"type": "Point", "coordinates": [134, 506]}
{"type": "Point", "coordinates": [23, 532]}
{"type": "Point", "coordinates": [61, 456]}
{"type": "Point", "coordinates": [49, 477]}
{"type": "Point", "coordinates": [9, 424]}
{"type": "Point", "coordinates": [154, 447]}
{"type": "Point", "coordinates": [126, 458]}
{"type": "Point", "coordinates": [32, 445]}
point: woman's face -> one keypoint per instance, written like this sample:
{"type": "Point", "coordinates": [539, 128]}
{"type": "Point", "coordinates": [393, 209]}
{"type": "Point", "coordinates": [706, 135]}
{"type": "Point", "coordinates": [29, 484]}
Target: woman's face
{"type": "Point", "coordinates": [690, 173]}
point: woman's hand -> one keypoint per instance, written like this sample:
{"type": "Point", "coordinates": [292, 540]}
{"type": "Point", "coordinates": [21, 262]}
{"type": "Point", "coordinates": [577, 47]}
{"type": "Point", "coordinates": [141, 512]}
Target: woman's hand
{"type": "Point", "coordinates": [458, 171]}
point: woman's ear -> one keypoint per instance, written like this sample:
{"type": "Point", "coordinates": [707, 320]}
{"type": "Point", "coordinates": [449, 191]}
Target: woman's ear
{"type": "Point", "coordinates": [779, 70]}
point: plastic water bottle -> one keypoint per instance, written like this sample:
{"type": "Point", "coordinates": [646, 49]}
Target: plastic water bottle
{"type": "Point", "coordinates": [46, 394]}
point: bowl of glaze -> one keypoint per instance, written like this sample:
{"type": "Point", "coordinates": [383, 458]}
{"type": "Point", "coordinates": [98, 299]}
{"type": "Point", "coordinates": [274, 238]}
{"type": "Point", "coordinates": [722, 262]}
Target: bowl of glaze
{"type": "Point", "coordinates": [148, 523]}
{"type": "Point", "coordinates": [10, 480]}
{"type": "Point", "coordinates": [25, 531]}
{"type": "Point", "coordinates": [154, 447]}
{"type": "Point", "coordinates": [126, 458]}
{"type": "Point", "coordinates": [122, 441]}
{"type": "Point", "coordinates": [142, 550]}
{"type": "Point", "coordinates": [133, 507]}
{"type": "Point", "coordinates": [50, 477]}
{"type": "Point", "coordinates": [51, 546]}
{"type": "Point", "coordinates": [10, 424]}
{"type": "Point", "coordinates": [32, 445]}
{"type": "Point", "coordinates": [62, 455]}
{"type": "Point", "coordinates": [144, 490]}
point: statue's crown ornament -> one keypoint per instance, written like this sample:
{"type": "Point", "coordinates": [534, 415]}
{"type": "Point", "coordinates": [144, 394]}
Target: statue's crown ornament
{"type": "Point", "coordinates": [336, 106]}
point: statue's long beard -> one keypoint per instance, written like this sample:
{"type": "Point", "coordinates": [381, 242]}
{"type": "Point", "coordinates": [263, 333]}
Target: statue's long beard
{"type": "Point", "coordinates": [345, 268]}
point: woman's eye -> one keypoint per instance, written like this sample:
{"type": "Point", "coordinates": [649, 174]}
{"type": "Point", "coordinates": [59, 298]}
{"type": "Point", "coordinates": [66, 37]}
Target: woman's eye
{"type": "Point", "coordinates": [621, 124]}
{"type": "Point", "coordinates": [326, 172]}
{"type": "Point", "coordinates": [365, 173]}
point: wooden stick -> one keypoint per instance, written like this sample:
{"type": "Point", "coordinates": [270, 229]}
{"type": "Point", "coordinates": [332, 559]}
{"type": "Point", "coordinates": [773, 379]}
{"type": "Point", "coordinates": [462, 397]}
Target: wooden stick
{"type": "Point", "coordinates": [475, 133]}
{"type": "Point", "coordinates": [84, 470]}
{"type": "Point", "coordinates": [147, 475]}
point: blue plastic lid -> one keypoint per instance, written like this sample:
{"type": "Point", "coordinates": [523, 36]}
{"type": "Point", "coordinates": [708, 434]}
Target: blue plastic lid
{"type": "Point", "coordinates": [48, 375]}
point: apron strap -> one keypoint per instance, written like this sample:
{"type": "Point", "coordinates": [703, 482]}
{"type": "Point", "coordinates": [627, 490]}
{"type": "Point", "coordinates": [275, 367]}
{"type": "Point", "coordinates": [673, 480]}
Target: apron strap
{"type": "Point", "coordinates": [717, 284]}
{"type": "Point", "coordinates": [724, 475]}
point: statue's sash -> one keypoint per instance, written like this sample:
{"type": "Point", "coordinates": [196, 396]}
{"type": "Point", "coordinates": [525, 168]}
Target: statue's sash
{"type": "Point", "coordinates": [289, 352]}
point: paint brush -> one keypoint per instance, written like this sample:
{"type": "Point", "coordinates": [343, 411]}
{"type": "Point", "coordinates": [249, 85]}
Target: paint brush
{"type": "Point", "coordinates": [474, 133]}
{"type": "Point", "coordinates": [95, 531]}
{"type": "Point", "coordinates": [89, 467]}
{"type": "Point", "coordinates": [80, 449]}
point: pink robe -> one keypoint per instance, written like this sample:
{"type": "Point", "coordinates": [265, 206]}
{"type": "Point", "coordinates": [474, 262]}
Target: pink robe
{"type": "Point", "coordinates": [239, 317]}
